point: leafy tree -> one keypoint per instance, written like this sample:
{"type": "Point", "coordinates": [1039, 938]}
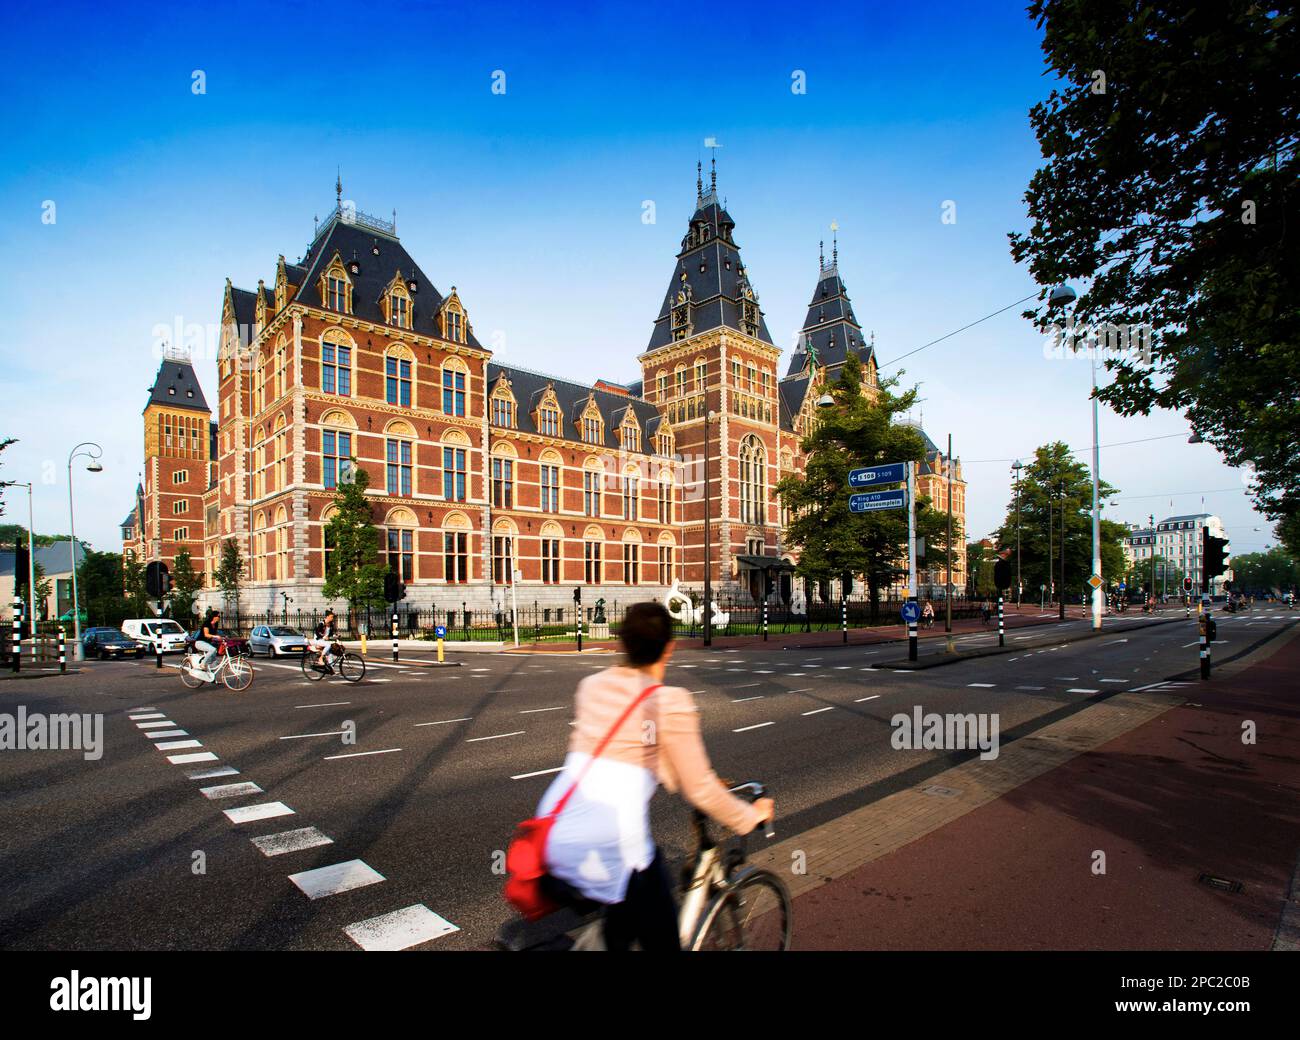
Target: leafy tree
{"type": "Point", "coordinates": [1171, 176]}
{"type": "Point", "coordinates": [832, 542]}
{"type": "Point", "coordinates": [354, 573]}
{"type": "Point", "coordinates": [186, 584]}
{"type": "Point", "coordinates": [1168, 576]}
{"type": "Point", "coordinates": [1273, 571]}
{"type": "Point", "coordinates": [42, 590]}
{"type": "Point", "coordinates": [1056, 490]}
{"type": "Point", "coordinates": [101, 584]}
{"type": "Point", "coordinates": [135, 589]}
{"type": "Point", "coordinates": [229, 575]}
{"type": "Point", "coordinates": [4, 443]}
{"type": "Point", "coordinates": [11, 533]}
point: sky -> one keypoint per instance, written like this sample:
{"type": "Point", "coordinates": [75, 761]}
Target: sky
{"type": "Point", "coordinates": [541, 159]}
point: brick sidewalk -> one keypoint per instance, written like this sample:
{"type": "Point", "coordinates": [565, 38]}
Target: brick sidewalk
{"type": "Point", "coordinates": [1001, 858]}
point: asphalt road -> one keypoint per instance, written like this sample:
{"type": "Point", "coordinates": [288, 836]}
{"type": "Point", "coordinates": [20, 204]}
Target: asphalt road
{"type": "Point", "coordinates": [102, 854]}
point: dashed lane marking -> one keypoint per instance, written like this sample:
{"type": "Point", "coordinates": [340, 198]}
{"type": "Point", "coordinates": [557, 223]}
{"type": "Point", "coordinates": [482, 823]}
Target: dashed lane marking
{"type": "Point", "coordinates": [818, 711]}
{"type": "Point", "coordinates": [153, 725]}
{"type": "Point", "coordinates": [399, 930]}
{"type": "Point", "coordinates": [210, 774]}
{"type": "Point", "coordinates": [873, 697]}
{"type": "Point", "coordinates": [538, 772]}
{"type": "Point", "coordinates": [496, 736]}
{"type": "Point", "coordinates": [1077, 689]}
{"type": "Point", "coordinates": [534, 711]}
{"type": "Point", "coordinates": [336, 878]}
{"type": "Point", "coordinates": [745, 729]}
{"type": "Point", "coordinates": [230, 790]}
{"type": "Point", "coordinates": [741, 700]}
{"type": "Point", "coordinates": [152, 715]}
{"type": "Point", "coordinates": [197, 756]}
{"type": "Point", "coordinates": [1031, 687]}
{"type": "Point", "coordinates": [327, 704]}
{"type": "Point", "coordinates": [362, 754]}
{"type": "Point", "coordinates": [304, 736]}
{"type": "Point", "coordinates": [291, 841]}
{"type": "Point", "coordinates": [176, 745]}
{"type": "Point", "coordinates": [253, 813]}
{"type": "Point", "coordinates": [983, 685]}
{"type": "Point", "coordinates": [163, 734]}
{"type": "Point", "coordinates": [445, 722]}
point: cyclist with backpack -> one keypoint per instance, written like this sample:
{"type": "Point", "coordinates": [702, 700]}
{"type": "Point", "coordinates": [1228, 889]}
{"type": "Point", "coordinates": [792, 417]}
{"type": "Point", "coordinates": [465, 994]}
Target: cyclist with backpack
{"type": "Point", "coordinates": [326, 633]}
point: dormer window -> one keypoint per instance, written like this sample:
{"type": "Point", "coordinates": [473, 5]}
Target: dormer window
{"type": "Point", "coordinates": [455, 327]}
{"type": "Point", "coordinates": [592, 426]}
{"type": "Point", "coordinates": [548, 418]}
{"type": "Point", "coordinates": [631, 437]}
{"type": "Point", "coordinates": [400, 308]}
{"type": "Point", "coordinates": [503, 408]}
{"type": "Point", "coordinates": [337, 294]}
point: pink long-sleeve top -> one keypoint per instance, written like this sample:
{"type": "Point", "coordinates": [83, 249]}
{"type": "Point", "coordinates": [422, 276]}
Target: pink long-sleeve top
{"type": "Point", "coordinates": [603, 834]}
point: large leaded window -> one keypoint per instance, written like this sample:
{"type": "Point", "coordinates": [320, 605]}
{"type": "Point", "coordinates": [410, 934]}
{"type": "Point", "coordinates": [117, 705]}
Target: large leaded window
{"type": "Point", "coordinates": [401, 553]}
{"type": "Point", "coordinates": [453, 474]}
{"type": "Point", "coordinates": [397, 381]}
{"type": "Point", "coordinates": [336, 369]}
{"type": "Point", "coordinates": [336, 457]}
{"type": "Point", "coordinates": [753, 481]}
{"type": "Point", "coordinates": [399, 467]}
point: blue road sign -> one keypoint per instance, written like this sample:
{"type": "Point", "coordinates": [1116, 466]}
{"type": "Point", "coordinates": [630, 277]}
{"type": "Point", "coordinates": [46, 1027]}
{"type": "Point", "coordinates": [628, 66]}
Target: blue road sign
{"type": "Point", "coordinates": [871, 501]}
{"type": "Point", "coordinates": [911, 611]}
{"type": "Point", "coordinates": [888, 474]}
{"type": "Point", "coordinates": [439, 631]}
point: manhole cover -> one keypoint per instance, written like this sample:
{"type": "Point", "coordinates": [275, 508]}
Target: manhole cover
{"type": "Point", "coordinates": [936, 791]}
{"type": "Point", "coordinates": [1222, 884]}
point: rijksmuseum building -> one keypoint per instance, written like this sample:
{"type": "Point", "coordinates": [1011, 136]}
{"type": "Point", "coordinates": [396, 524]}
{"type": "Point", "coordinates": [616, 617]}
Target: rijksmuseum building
{"type": "Point", "coordinates": [484, 474]}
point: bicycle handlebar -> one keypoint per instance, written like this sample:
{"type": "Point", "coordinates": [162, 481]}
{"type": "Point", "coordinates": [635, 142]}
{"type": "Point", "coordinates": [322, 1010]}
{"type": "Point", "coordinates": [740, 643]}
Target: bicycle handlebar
{"type": "Point", "coordinates": [753, 790]}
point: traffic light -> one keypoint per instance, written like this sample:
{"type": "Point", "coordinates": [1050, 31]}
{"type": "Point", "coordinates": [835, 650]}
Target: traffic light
{"type": "Point", "coordinates": [157, 579]}
{"type": "Point", "coordinates": [577, 594]}
{"type": "Point", "coordinates": [1002, 574]}
{"type": "Point", "coordinates": [1187, 584]}
{"type": "Point", "coordinates": [394, 590]}
{"type": "Point", "coordinates": [1214, 557]}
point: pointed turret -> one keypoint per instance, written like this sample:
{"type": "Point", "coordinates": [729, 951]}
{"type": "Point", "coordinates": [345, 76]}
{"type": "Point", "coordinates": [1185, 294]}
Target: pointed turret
{"type": "Point", "coordinates": [830, 329]}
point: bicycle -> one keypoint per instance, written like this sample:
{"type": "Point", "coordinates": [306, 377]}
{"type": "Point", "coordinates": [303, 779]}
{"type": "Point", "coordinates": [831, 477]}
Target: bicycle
{"type": "Point", "coordinates": [233, 667]}
{"type": "Point", "coordinates": [351, 666]}
{"type": "Point", "coordinates": [727, 905]}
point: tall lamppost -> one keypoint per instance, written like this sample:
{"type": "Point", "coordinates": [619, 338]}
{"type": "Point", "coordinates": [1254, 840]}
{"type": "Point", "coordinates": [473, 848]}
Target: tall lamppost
{"type": "Point", "coordinates": [31, 557]}
{"type": "Point", "coordinates": [1016, 467]}
{"type": "Point", "coordinates": [708, 536]}
{"type": "Point", "coordinates": [94, 452]}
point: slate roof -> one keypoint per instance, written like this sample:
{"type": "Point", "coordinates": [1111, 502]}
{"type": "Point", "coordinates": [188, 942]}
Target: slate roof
{"type": "Point", "coordinates": [791, 392]}
{"type": "Point", "coordinates": [830, 327]}
{"type": "Point", "coordinates": [714, 272]}
{"type": "Point", "coordinates": [177, 386]}
{"type": "Point", "coordinates": [357, 242]}
{"type": "Point", "coordinates": [55, 559]}
{"type": "Point", "coordinates": [528, 388]}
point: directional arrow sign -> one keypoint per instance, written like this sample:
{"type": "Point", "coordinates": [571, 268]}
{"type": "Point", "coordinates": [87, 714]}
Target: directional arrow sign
{"type": "Point", "coordinates": [892, 473]}
{"type": "Point", "coordinates": [871, 501]}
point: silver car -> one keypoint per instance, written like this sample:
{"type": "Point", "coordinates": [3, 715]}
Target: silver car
{"type": "Point", "coordinates": [276, 641]}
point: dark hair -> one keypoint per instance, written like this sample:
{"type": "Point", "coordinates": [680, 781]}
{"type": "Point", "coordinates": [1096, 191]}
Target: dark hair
{"type": "Point", "coordinates": [646, 630]}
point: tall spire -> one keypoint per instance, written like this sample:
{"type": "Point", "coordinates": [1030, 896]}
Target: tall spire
{"type": "Point", "coordinates": [338, 186]}
{"type": "Point", "coordinates": [713, 174]}
{"type": "Point", "coordinates": [821, 256]}
{"type": "Point", "coordinates": [699, 183]}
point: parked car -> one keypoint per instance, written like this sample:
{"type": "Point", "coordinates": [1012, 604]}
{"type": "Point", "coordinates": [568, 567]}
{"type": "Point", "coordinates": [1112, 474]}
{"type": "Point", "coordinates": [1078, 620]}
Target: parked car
{"type": "Point", "coordinates": [276, 641]}
{"type": "Point", "coordinates": [110, 642]}
{"type": "Point", "coordinates": [67, 615]}
{"type": "Point", "coordinates": [157, 634]}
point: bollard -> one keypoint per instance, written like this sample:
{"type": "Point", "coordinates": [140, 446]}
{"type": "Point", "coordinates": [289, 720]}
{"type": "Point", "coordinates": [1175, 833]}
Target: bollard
{"type": "Point", "coordinates": [765, 621]}
{"type": "Point", "coordinates": [63, 651]}
{"type": "Point", "coordinates": [1205, 650]}
{"type": "Point", "coordinates": [394, 636]}
{"type": "Point", "coordinates": [911, 641]}
{"type": "Point", "coordinates": [844, 618]}
{"type": "Point", "coordinates": [17, 634]}
{"type": "Point", "coordinates": [1002, 635]}
{"type": "Point", "coordinates": [440, 651]}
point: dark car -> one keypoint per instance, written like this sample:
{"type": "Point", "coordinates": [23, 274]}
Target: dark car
{"type": "Point", "coordinates": [110, 642]}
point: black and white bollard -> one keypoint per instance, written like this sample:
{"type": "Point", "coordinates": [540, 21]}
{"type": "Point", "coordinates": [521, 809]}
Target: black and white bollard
{"type": "Point", "coordinates": [1002, 632]}
{"type": "Point", "coordinates": [765, 621]}
{"type": "Point", "coordinates": [911, 638]}
{"type": "Point", "coordinates": [63, 650]}
{"type": "Point", "coordinates": [18, 634]}
{"type": "Point", "coordinates": [844, 617]}
{"type": "Point", "coordinates": [394, 636]}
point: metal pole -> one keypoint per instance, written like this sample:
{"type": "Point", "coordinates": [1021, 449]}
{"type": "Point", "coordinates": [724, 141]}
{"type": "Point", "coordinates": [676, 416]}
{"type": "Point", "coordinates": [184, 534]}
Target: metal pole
{"type": "Point", "coordinates": [911, 557]}
{"type": "Point", "coordinates": [1205, 637]}
{"type": "Point", "coordinates": [947, 614]}
{"type": "Point", "coordinates": [31, 567]}
{"type": "Point", "coordinates": [1151, 594]}
{"type": "Point", "coordinates": [1096, 511]}
{"type": "Point", "coordinates": [708, 541]}
{"type": "Point", "coordinates": [63, 650]}
{"type": "Point", "coordinates": [78, 652]}
{"type": "Point", "coordinates": [514, 602]}
{"type": "Point", "coordinates": [17, 632]}
{"type": "Point", "coordinates": [1019, 583]}
{"type": "Point", "coordinates": [1061, 591]}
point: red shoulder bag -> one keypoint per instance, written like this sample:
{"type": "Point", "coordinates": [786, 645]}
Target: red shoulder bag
{"type": "Point", "coordinates": [526, 855]}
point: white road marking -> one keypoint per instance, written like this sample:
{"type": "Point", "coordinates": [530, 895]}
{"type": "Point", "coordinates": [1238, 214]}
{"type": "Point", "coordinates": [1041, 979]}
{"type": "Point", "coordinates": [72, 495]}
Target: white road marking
{"type": "Point", "coordinates": [303, 736]}
{"type": "Point", "coordinates": [209, 774]}
{"type": "Point", "coordinates": [534, 711]}
{"type": "Point", "coordinates": [327, 704]}
{"type": "Point", "coordinates": [818, 711]}
{"type": "Point", "coordinates": [362, 754]}
{"type": "Point", "coordinates": [1113, 680]}
{"type": "Point", "coordinates": [230, 790]}
{"type": "Point", "coordinates": [379, 680]}
{"type": "Point", "coordinates": [539, 772]}
{"type": "Point", "coordinates": [1066, 678]}
{"type": "Point", "coordinates": [153, 725]}
{"type": "Point", "coordinates": [806, 689]}
{"type": "Point", "coordinates": [762, 671]}
{"type": "Point", "coordinates": [746, 686]}
{"type": "Point", "coordinates": [291, 841]}
{"type": "Point", "coordinates": [444, 722]}
{"type": "Point", "coordinates": [1076, 689]}
{"type": "Point", "coordinates": [983, 685]}
{"type": "Point", "coordinates": [741, 700]}
{"type": "Point", "coordinates": [336, 878]}
{"type": "Point", "coordinates": [176, 745]}
{"type": "Point", "coordinates": [197, 756]}
{"type": "Point", "coordinates": [253, 813]}
{"type": "Point", "coordinates": [1030, 687]}
{"type": "Point", "coordinates": [162, 734]}
{"type": "Point", "coordinates": [745, 729]}
{"type": "Point", "coordinates": [495, 736]}
{"type": "Point", "coordinates": [873, 697]}
{"type": "Point", "coordinates": [153, 715]}
{"type": "Point", "coordinates": [147, 707]}
{"type": "Point", "coordinates": [399, 930]}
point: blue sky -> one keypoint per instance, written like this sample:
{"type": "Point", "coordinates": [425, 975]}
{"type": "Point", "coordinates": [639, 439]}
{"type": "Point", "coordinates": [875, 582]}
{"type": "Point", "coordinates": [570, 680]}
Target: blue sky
{"type": "Point", "coordinates": [530, 202]}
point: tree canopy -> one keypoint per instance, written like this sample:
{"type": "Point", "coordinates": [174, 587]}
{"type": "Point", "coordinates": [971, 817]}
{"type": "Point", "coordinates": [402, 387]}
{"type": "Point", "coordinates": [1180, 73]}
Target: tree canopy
{"type": "Point", "coordinates": [353, 572]}
{"type": "Point", "coordinates": [1169, 182]}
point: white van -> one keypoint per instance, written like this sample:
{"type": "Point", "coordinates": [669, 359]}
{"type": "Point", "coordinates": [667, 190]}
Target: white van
{"type": "Point", "coordinates": [157, 634]}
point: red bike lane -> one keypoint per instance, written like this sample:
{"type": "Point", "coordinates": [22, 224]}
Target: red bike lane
{"type": "Point", "coordinates": [1176, 798]}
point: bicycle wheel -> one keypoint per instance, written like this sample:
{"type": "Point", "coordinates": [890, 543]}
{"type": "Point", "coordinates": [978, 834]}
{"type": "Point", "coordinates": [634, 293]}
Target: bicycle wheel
{"type": "Point", "coordinates": [352, 667]}
{"type": "Point", "coordinates": [189, 678]}
{"type": "Point", "coordinates": [754, 914]}
{"type": "Point", "coordinates": [309, 666]}
{"type": "Point", "coordinates": [238, 674]}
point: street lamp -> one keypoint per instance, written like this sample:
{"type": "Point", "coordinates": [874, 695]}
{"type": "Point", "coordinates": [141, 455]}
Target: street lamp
{"type": "Point", "coordinates": [825, 401]}
{"type": "Point", "coordinates": [94, 453]}
{"type": "Point", "coordinates": [31, 557]}
{"type": "Point", "coordinates": [1016, 467]}
{"type": "Point", "coordinates": [708, 537]}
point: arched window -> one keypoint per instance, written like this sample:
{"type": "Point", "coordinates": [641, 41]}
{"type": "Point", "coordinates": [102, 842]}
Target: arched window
{"type": "Point", "coordinates": [336, 363]}
{"type": "Point", "coordinates": [593, 540]}
{"type": "Point", "coordinates": [336, 445]}
{"type": "Point", "coordinates": [503, 475]}
{"type": "Point", "coordinates": [455, 548]}
{"type": "Point", "coordinates": [548, 416]}
{"type": "Point", "coordinates": [281, 544]}
{"type": "Point", "coordinates": [665, 561]}
{"type": "Point", "coordinates": [504, 534]}
{"type": "Point", "coordinates": [455, 452]}
{"type": "Point", "coordinates": [549, 465]}
{"type": "Point", "coordinates": [400, 527]}
{"type": "Point", "coordinates": [455, 383]}
{"type": "Point", "coordinates": [551, 553]}
{"type": "Point", "coordinates": [631, 557]}
{"type": "Point", "coordinates": [399, 451]}
{"type": "Point", "coordinates": [399, 368]}
{"type": "Point", "coordinates": [753, 480]}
